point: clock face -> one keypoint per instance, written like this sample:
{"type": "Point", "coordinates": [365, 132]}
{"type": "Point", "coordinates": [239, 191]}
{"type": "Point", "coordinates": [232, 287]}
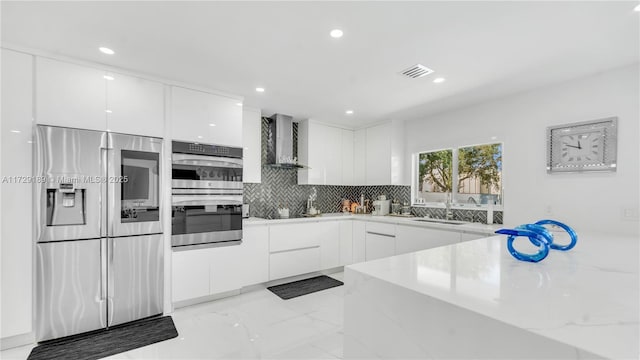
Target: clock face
{"type": "Point", "coordinates": [585, 146]}
{"type": "Point", "coordinates": [582, 148]}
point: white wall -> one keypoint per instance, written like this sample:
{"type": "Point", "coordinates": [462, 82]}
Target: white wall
{"type": "Point", "coordinates": [586, 201]}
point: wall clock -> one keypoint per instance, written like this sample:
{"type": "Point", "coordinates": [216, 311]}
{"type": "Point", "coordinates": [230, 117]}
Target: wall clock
{"type": "Point", "coordinates": [584, 146]}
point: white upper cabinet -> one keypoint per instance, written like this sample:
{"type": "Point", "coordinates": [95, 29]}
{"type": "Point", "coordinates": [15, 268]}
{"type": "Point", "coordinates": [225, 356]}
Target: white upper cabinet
{"type": "Point", "coordinates": [399, 166]}
{"type": "Point", "coordinates": [378, 156]}
{"type": "Point", "coordinates": [332, 151]}
{"type": "Point", "coordinates": [134, 105]}
{"type": "Point", "coordinates": [347, 157]}
{"type": "Point", "coordinates": [311, 138]}
{"type": "Point", "coordinates": [252, 143]}
{"type": "Point", "coordinates": [359, 157]}
{"type": "Point", "coordinates": [321, 147]}
{"type": "Point", "coordinates": [203, 117]}
{"type": "Point", "coordinates": [70, 95]}
{"type": "Point", "coordinates": [82, 97]}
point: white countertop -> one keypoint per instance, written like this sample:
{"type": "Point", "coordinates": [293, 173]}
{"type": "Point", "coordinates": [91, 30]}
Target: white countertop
{"type": "Point", "coordinates": [475, 228]}
{"type": "Point", "coordinates": [586, 297]}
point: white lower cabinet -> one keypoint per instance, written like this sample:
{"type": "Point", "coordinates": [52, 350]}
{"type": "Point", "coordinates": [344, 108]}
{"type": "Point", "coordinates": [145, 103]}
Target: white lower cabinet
{"type": "Point", "coordinates": [294, 262]}
{"type": "Point", "coordinates": [255, 255]}
{"type": "Point", "coordinates": [380, 246]}
{"type": "Point", "coordinates": [293, 236]}
{"type": "Point", "coordinates": [272, 252]}
{"type": "Point", "coordinates": [190, 274]}
{"type": "Point", "coordinates": [328, 233]}
{"type": "Point", "coordinates": [294, 249]}
{"type": "Point", "coordinates": [202, 272]}
{"type": "Point", "coordinates": [380, 240]}
{"type": "Point", "coordinates": [301, 248]}
{"type": "Point", "coordinates": [346, 242]}
{"type": "Point", "coordinates": [411, 238]}
{"type": "Point", "coordinates": [359, 241]}
{"type": "Point", "coordinates": [224, 269]}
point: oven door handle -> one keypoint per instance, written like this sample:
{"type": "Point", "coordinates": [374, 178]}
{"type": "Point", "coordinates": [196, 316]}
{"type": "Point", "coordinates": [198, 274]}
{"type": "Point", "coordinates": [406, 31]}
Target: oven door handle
{"type": "Point", "coordinates": [200, 160]}
{"type": "Point", "coordinates": [178, 200]}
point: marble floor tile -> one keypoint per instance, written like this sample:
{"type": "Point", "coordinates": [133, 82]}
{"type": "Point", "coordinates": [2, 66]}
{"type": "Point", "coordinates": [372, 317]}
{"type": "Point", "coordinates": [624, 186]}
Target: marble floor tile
{"type": "Point", "coordinates": [253, 325]}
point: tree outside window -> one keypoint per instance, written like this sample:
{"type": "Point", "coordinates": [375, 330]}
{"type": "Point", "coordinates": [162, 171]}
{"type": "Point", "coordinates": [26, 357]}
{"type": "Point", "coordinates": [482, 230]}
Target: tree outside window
{"type": "Point", "coordinates": [478, 175]}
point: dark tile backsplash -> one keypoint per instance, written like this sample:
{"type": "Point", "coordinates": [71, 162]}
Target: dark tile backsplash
{"type": "Point", "coordinates": [280, 187]}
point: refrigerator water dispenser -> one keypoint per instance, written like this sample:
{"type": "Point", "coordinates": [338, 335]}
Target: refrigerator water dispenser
{"type": "Point", "coordinates": [65, 206]}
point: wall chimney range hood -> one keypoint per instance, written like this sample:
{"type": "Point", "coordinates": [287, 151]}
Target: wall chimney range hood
{"type": "Point", "coordinates": [280, 143]}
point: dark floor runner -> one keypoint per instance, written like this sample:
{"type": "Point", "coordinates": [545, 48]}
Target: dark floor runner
{"type": "Point", "coordinates": [104, 343]}
{"type": "Point", "coordinates": [304, 287]}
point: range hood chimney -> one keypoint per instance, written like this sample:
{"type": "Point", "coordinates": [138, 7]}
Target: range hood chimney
{"type": "Point", "coordinates": [280, 143]}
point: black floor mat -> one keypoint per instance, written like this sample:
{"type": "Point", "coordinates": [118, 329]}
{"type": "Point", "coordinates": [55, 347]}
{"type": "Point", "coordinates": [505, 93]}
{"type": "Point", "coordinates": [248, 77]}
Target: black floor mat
{"type": "Point", "coordinates": [104, 343]}
{"type": "Point", "coordinates": [304, 287]}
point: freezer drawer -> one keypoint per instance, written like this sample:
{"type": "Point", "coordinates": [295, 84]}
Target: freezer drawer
{"type": "Point", "coordinates": [71, 290]}
{"type": "Point", "coordinates": [136, 286]}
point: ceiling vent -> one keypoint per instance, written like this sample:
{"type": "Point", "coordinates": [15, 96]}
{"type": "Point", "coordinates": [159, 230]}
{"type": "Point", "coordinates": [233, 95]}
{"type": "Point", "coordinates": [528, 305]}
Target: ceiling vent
{"type": "Point", "coordinates": [416, 71]}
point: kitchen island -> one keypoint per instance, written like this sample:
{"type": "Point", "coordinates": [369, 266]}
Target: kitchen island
{"type": "Point", "coordinates": [473, 300]}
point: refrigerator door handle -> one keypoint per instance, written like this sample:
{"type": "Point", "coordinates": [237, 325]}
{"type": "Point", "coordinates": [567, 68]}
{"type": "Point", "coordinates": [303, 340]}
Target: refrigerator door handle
{"type": "Point", "coordinates": [103, 191]}
{"type": "Point", "coordinates": [111, 203]}
{"type": "Point", "coordinates": [103, 269]}
{"type": "Point", "coordinates": [111, 287]}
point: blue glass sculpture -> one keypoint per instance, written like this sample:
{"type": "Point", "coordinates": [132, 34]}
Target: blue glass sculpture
{"type": "Point", "coordinates": [539, 236]}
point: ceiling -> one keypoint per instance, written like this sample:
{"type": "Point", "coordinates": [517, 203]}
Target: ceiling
{"type": "Point", "coordinates": [483, 49]}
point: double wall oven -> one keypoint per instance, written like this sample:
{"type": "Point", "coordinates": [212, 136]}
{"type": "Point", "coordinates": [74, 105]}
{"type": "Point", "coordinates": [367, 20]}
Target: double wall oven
{"type": "Point", "coordinates": [206, 203]}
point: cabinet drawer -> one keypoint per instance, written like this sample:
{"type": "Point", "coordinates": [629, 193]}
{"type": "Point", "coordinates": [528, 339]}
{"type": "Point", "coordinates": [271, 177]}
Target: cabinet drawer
{"type": "Point", "coordinates": [380, 228]}
{"type": "Point", "coordinates": [293, 236]}
{"type": "Point", "coordinates": [380, 246]}
{"type": "Point", "coordinates": [295, 262]}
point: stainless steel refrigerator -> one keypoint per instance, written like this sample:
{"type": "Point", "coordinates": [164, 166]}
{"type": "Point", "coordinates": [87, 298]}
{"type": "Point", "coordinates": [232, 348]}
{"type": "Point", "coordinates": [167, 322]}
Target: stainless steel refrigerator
{"type": "Point", "coordinates": [99, 247]}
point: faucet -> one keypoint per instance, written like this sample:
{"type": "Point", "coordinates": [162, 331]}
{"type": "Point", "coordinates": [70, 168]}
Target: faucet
{"type": "Point", "coordinates": [448, 213]}
{"type": "Point", "coordinates": [471, 200]}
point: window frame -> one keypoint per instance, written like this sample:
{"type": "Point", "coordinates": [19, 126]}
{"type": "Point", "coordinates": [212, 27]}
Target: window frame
{"type": "Point", "coordinates": [415, 158]}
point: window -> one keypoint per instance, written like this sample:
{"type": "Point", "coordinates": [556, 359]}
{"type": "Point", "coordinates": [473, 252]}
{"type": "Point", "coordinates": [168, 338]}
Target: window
{"type": "Point", "coordinates": [477, 171]}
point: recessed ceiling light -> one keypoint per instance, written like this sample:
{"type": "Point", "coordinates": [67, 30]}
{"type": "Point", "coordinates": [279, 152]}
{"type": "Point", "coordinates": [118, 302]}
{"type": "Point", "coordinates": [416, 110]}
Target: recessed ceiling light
{"type": "Point", "coordinates": [108, 77]}
{"type": "Point", "coordinates": [240, 104]}
{"type": "Point", "coordinates": [349, 112]}
{"type": "Point", "coordinates": [199, 137]}
{"type": "Point", "coordinates": [637, 8]}
{"type": "Point", "coordinates": [336, 33]}
{"type": "Point", "coordinates": [16, 131]}
{"type": "Point", "coordinates": [212, 124]}
{"type": "Point", "coordinates": [106, 50]}
{"type": "Point", "coordinates": [439, 80]}
{"type": "Point", "coordinates": [259, 89]}
{"type": "Point", "coordinates": [108, 111]}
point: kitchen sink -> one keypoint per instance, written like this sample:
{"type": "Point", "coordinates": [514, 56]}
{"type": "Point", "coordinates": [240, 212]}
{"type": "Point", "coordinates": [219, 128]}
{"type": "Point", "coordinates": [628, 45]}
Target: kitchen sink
{"type": "Point", "coordinates": [442, 221]}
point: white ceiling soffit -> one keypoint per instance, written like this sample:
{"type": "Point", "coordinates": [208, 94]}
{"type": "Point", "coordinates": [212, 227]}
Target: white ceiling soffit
{"type": "Point", "coordinates": [483, 49]}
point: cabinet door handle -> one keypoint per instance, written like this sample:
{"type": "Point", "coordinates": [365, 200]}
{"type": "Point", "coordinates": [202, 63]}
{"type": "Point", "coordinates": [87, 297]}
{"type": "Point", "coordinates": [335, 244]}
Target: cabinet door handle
{"type": "Point", "coordinates": [381, 234]}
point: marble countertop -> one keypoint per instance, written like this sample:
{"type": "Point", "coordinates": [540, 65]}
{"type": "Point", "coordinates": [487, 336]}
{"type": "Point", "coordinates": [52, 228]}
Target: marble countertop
{"type": "Point", "coordinates": [475, 228]}
{"type": "Point", "coordinates": [586, 297]}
